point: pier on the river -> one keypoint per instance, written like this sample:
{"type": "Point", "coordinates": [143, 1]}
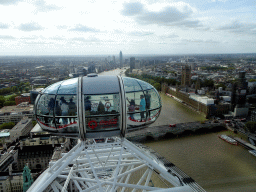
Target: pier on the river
{"type": "Point", "coordinates": [162, 130]}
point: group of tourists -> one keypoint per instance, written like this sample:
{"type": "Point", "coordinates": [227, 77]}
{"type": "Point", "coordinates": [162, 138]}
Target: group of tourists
{"type": "Point", "coordinates": [62, 108]}
{"type": "Point", "coordinates": [88, 106]}
{"type": "Point", "coordinates": [144, 104]}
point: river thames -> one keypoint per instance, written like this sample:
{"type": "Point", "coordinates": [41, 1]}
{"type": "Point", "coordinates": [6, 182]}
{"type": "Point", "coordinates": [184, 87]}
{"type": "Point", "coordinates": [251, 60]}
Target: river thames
{"type": "Point", "coordinates": [211, 162]}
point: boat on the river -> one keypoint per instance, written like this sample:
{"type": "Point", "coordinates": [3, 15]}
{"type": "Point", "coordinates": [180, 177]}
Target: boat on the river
{"type": "Point", "coordinates": [253, 152]}
{"type": "Point", "coordinates": [228, 139]}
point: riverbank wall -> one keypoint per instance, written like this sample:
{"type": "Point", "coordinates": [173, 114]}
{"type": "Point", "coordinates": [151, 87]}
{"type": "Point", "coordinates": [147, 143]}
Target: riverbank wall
{"type": "Point", "coordinates": [206, 110]}
{"type": "Point", "coordinates": [181, 129]}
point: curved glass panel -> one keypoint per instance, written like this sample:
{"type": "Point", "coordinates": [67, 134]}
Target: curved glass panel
{"type": "Point", "coordinates": [101, 104]}
{"type": "Point", "coordinates": [144, 85]}
{"type": "Point", "coordinates": [136, 101]}
{"type": "Point", "coordinates": [102, 112]}
{"type": "Point", "coordinates": [153, 115]}
{"type": "Point", "coordinates": [45, 105]}
{"type": "Point", "coordinates": [152, 99]}
{"type": "Point", "coordinates": [100, 85]}
{"type": "Point", "coordinates": [143, 102]}
{"type": "Point", "coordinates": [66, 124]}
{"type": "Point", "coordinates": [66, 105]}
{"type": "Point", "coordinates": [131, 85]}
{"type": "Point", "coordinates": [52, 89]}
{"type": "Point", "coordinates": [47, 123]}
{"type": "Point", "coordinates": [69, 87]}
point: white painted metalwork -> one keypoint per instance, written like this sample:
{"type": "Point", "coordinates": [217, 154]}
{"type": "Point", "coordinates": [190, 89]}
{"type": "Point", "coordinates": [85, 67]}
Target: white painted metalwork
{"type": "Point", "coordinates": [112, 164]}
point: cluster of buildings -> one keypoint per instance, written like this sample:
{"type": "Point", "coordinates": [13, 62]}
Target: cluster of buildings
{"type": "Point", "coordinates": [232, 80]}
{"type": "Point", "coordinates": [26, 153]}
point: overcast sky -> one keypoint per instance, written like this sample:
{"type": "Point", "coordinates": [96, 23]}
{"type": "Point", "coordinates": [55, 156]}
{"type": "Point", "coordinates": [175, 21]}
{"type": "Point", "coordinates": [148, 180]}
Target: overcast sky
{"type": "Point", "coordinates": [91, 27]}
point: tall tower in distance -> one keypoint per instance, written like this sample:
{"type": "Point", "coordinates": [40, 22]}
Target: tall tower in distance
{"type": "Point", "coordinates": [121, 59]}
{"type": "Point", "coordinates": [132, 63]}
{"type": "Point", "coordinates": [186, 76]}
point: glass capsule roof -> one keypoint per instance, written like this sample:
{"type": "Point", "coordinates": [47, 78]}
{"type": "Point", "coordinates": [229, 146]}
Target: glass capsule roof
{"type": "Point", "coordinates": [100, 85]}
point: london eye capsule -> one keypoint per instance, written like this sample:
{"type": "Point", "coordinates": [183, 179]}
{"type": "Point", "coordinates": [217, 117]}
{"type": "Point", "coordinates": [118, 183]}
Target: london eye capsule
{"type": "Point", "coordinates": [97, 106]}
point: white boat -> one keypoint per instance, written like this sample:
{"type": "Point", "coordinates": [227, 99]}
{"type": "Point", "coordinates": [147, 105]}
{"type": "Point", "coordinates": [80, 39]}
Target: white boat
{"type": "Point", "coordinates": [228, 139]}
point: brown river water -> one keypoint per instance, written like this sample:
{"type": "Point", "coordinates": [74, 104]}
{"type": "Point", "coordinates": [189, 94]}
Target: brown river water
{"type": "Point", "coordinates": [211, 162]}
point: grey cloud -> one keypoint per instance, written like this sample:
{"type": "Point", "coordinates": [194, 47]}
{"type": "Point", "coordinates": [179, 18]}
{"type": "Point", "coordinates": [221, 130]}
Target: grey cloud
{"type": "Point", "coordinates": [118, 31]}
{"type": "Point", "coordinates": [170, 15]}
{"type": "Point", "coordinates": [83, 28]}
{"type": "Point", "coordinates": [57, 38]}
{"type": "Point", "coordinates": [30, 27]}
{"type": "Point", "coordinates": [6, 37]}
{"type": "Point", "coordinates": [132, 9]}
{"type": "Point", "coordinates": [37, 43]}
{"type": "Point", "coordinates": [9, 2]}
{"type": "Point", "coordinates": [140, 33]}
{"type": "Point", "coordinates": [82, 39]}
{"type": "Point", "coordinates": [198, 41]}
{"type": "Point", "coordinates": [4, 26]}
{"type": "Point", "coordinates": [41, 6]}
{"type": "Point", "coordinates": [189, 23]}
{"type": "Point", "coordinates": [238, 27]}
{"type": "Point", "coordinates": [78, 39]}
{"type": "Point", "coordinates": [169, 36]}
{"type": "Point", "coordinates": [29, 38]}
{"type": "Point", "coordinates": [62, 27]}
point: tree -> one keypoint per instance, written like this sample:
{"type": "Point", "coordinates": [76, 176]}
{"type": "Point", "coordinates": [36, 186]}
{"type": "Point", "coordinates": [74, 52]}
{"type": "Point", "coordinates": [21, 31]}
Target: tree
{"type": "Point", "coordinates": [12, 98]}
{"type": "Point", "coordinates": [20, 89]}
{"type": "Point", "coordinates": [157, 86]}
{"type": "Point", "coordinates": [34, 123]}
{"type": "Point", "coordinates": [221, 85]}
{"type": "Point", "coordinates": [2, 100]}
{"type": "Point", "coordinates": [9, 103]}
{"type": "Point", "coordinates": [14, 89]}
{"type": "Point", "coordinates": [8, 125]}
{"type": "Point", "coordinates": [251, 126]}
{"type": "Point", "coordinates": [207, 83]}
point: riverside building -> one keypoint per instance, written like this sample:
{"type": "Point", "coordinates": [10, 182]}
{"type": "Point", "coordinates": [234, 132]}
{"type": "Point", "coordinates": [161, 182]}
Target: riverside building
{"type": "Point", "coordinates": [16, 113]}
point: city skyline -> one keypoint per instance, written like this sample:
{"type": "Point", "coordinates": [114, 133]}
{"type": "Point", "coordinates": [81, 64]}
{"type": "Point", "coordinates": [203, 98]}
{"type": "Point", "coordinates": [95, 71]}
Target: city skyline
{"type": "Point", "coordinates": [135, 27]}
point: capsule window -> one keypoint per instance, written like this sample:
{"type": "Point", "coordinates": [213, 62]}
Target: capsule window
{"type": "Point", "coordinates": [102, 112]}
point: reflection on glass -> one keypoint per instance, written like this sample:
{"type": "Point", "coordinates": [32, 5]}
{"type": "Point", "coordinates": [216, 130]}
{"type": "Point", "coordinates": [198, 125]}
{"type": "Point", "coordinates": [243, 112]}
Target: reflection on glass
{"type": "Point", "coordinates": [68, 87]}
{"type": "Point", "coordinates": [52, 89]}
{"type": "Point", "coordinates": [62, 122]}
{"type": "Point", "coordinates": [101, 104]}
{"type": "Point", "coordinates": [46, 104]}
{"type": "Point", "coordinates": [144, 85]}
{"type": "Point", "coordinates": [102, 123]}
{"type": "Point", "coordinates": [153, 115]}
{"type": "Point", "coordinates": [66, 105]}
{"type": "Point", "coordinates": [88, 105]}
{"type": "Point", "coordinates": [154, 99]}
{"type": "Point", "coordinates": [131, 85]}
{"type": "Point", "coordinates": [46, 121]}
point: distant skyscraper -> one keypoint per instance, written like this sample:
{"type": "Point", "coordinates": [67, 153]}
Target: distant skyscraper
{"type": "Point", "coordinates": [121, 59]}
{"type": "Point", "coordinates": [114, 59]}
{"type": "Point", "coordinates": [132, 63]}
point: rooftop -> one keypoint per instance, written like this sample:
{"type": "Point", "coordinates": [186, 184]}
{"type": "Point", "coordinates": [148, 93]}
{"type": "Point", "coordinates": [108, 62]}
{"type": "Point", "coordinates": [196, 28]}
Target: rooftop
{"type": "Point", "coordinates": [21, 124]}
{"type": "Point", "coordinates": [16, 109]}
